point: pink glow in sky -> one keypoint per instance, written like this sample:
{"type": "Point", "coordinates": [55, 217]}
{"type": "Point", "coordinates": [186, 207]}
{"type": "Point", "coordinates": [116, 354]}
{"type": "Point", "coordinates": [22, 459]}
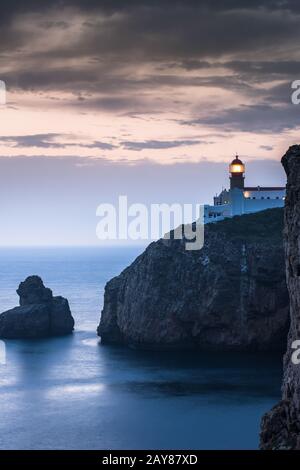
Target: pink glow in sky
{"type": "Point", "coordinates": [148, 81]}
{"type": "Point", "coordinates": [144, 83]}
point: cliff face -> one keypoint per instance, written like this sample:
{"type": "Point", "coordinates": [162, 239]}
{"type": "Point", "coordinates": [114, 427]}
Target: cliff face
{"type": "Point", "coordinates": [281, 427]}
{"type": "Point", "coordinates": [231, 295]}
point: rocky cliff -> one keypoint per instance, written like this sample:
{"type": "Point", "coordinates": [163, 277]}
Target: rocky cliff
{"type": "Point", "coordinates": [281, 427]}
{"type": "Point", "coordinates": [230, 295]}
{"type": "Point", "coordinates": [39, 315]}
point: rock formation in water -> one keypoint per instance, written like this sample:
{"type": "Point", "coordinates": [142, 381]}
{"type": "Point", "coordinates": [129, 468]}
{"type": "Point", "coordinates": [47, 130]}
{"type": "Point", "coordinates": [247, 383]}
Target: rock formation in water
{"type": "Point", "coordinates": [39, 315]}
{"type": "Point", "coordinates": [230, 295]}
{"type": "Point", "coordinates": [281, 426]}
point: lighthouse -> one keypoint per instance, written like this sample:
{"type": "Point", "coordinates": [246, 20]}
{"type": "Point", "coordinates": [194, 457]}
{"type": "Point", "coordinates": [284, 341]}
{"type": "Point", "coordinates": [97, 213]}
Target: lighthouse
{"type": "Point", "coordinates": [237, 174]}
{"type": "Point", "coordinates": [240, 199]}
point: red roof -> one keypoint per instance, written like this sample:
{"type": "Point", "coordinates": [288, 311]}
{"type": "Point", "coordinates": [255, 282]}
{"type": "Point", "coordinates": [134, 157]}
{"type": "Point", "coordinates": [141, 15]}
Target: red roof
{"type": "Point", "coordinates": [264, 188]}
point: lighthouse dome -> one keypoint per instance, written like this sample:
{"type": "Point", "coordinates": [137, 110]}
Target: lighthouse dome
{"type": "Point", "coordinates": [237, 166]}
{"type": "Point", "coordinates": [237, 161]}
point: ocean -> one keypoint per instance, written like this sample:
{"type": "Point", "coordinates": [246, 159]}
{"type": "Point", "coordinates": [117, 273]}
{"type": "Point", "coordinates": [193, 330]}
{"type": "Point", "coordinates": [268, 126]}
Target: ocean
{"type": "Point", "coordinates": [74, 393]}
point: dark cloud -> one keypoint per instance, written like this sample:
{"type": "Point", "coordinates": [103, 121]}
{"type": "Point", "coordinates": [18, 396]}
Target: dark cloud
{"type": "Point", "coordinates": [253, 118]}
{"type": "Point", "coordinates": [37, 140]}
{"type": "Point", "coordinates": [269, 148]}
{"type": "Point", "coordinates": [49, 141]}
{"type": "Point", "coordinates": [239, 46]}
{"type": "Point", "coordinates": [256, 67]}
{"type": "Point", "coordinates": [13, 7]}
{"type": "Point", "coordinates": [160, 32]}
{"type": "Point", "coordinates": [159, 144]}
{"type": "Point", "coordinates": [57, 141]}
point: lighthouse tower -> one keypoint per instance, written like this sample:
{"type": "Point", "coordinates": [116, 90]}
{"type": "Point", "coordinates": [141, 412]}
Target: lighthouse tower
{"type": "Point", "coordinates": [241, 199]}
{"type": "Point", "coordinates": [237, 174]}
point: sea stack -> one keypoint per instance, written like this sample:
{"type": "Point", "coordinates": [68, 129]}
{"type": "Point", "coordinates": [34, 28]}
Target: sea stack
{"type": "Point", "coordinates": [281, 426]}
{"type": "Point", "coordinates": [230, 295]}
{"type": "Point", "coordinates": [39, 314]}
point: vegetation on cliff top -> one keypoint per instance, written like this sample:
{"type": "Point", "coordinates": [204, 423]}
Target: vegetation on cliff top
{"type": "Point", "coordinates": [266, 225]}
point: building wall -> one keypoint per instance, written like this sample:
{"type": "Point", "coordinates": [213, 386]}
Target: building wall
{"type": "Point", "coordinates": [239, 201]}
{"type": "Point", "coordinates": [222, 198]}
{"type": "Point", "coordinates": [260, 194]}
{"type": "Point", "coordinates": [256, 205]}
{"type": "Point", "coordinates": [215, 213]}
{"type": "Point", "coordinates": [238, 204]}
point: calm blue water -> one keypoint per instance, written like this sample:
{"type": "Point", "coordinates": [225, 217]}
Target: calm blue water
{"type": "Point", "coordinates": [72, 393]}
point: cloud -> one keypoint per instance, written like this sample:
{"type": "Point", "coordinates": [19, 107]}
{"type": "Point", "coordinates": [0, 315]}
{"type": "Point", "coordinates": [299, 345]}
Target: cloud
{"type": "Point", "coordinates": [37, 140]}
{"type": "Point", "coordinates": [258, 118]}
{"type": "Point", "coordinates": [49, 141]}
{"type": "Point", "coordinates": [159, 144]}
{"type": "Point", "coordinates": [269, 148]}
{"type": "Point", "coordinates": [156, 56]}
{"type": "Point", "coordinates": [187, 31]}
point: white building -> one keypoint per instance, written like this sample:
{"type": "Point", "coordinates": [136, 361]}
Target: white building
{"type": "Point", "coordinates": [240, 199]}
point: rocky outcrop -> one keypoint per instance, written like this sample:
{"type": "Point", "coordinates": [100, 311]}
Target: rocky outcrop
{"type": "Point", "coordinates": [281, 427]}
{"type": "Point", "coordinates": [230, 295]}
{"type": "Point", "coordinates": [39, 315]}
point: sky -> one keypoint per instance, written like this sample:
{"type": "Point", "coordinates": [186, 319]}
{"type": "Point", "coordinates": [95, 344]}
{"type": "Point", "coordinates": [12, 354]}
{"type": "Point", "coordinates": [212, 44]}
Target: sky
{"type": "Point", "coordinates": [151, 99]}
